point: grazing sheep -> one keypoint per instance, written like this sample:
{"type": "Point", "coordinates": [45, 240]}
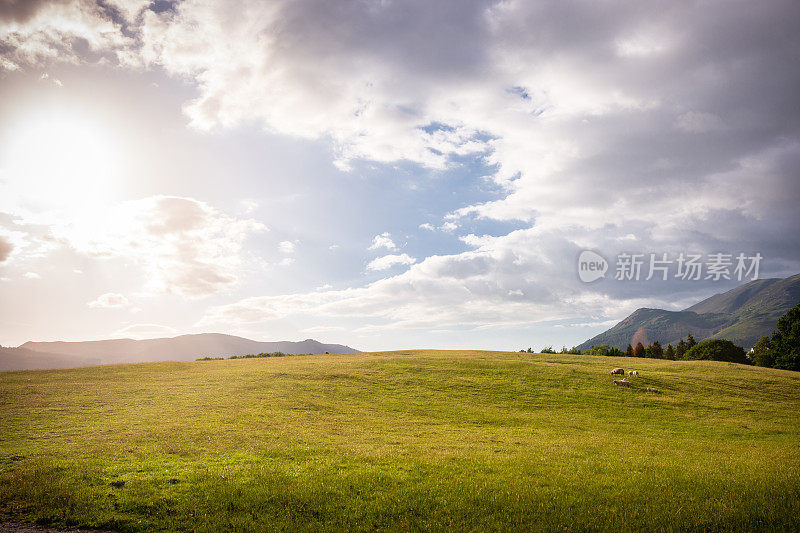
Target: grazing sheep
{"type": "Point", "coordinates": [633, 372]}
{"type": "Point", "coordinates": [618, 371]}
{"type": "Point", "coordinates": [622, 382]}
{"type": "Point", "coordinates": [652, 389]}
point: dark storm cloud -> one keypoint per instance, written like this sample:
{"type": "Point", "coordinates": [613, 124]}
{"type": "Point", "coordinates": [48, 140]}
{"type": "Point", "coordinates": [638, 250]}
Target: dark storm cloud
{"type": "Point", "coordinates": [438, 38]}
{"type": "Point", "coordinates": [709, 161]}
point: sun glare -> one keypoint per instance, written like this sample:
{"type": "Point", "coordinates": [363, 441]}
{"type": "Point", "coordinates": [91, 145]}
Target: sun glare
{"type": "Point", "coordinates": [60, 160]}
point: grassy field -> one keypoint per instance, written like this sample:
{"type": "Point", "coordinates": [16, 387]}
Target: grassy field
{"type": "Point", "coordinates": [417, 440]}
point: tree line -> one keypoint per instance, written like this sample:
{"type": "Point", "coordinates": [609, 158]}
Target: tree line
{"type": "Point", "coordinates": [252, 356]}
{"type": "Point", "coordinates": [653, 350]}
{"type": "Point", "coordinates": [780, 350]}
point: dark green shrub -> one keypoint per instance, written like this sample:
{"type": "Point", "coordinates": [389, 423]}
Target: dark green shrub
{"type": "Point", "coordinates": [786, 341]}
{"type": "Point", "coordinates": [717, 350]}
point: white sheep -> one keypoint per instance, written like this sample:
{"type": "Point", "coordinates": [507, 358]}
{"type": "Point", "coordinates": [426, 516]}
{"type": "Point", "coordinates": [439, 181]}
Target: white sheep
{"type": "Point", "coordinates": [633, 372]}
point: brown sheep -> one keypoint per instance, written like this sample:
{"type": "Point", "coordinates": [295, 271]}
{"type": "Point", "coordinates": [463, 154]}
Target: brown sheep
{"type": "Point", "coordinates": [618, 371]}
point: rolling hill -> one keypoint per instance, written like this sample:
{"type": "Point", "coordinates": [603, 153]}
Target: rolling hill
{"type": "Point", "coordinates": [741, 315]}
{"type": "Point", "coordinates": [402, 441]}
{"type": "Point", "coordinates": [24, 359]}
{"type": "Point", "coordinates": [44, 355]}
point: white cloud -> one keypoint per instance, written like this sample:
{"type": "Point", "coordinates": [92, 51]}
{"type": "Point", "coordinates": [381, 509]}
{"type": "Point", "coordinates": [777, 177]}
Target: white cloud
{"type": "Point", "coordinates": [588, 119]}
{"type": "Point", "coordinates": [35, 32]}
{"type": "Point", "coordinates": [384, 240]}
{"type": "Point", "coordinates": [469, 288]}
{"type": "Point", "coordinates": [426, 226]}
{"type": "Point", "coordinates": [522, 278]}
{"type": "Point", "coordinates": [449, 226]}
{"type": "Point", "coordinates": [287, 247]}
{"type": "Point", "coordinates": [259, 66]}
{"type": "Point", "coordinates": [184, 246]}
{"type": "Point", "coordinates": [8, 65]}
{"type": "Point", "coordinates": [31, 275]}
{"type": "Point", "coordinates": [552, 111]}
{"type": "Point", "coordinates": [580, 113]}
{"type": "Point", "coordinates": [388, 261]}
{"type": "Point", "coordinates": [16, 243]}
{"type": "Point", "coordinates": [644, 43]}
{"type": "Point", "coordinates": [109, 300]}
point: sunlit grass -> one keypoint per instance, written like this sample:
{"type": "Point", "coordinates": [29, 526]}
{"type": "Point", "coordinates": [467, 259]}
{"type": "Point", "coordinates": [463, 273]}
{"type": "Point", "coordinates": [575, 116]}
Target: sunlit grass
{"type": "Point", "coordinates": [402, 440]}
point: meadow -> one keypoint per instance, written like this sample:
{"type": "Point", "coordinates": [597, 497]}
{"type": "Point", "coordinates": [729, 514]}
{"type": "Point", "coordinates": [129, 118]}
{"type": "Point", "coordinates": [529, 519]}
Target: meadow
{"type": "Point", "coordinates": [414, 440]}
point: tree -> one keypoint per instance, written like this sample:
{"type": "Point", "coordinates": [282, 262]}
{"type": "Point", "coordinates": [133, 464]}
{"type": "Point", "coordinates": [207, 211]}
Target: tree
{"type": "Point", "coordinates": [680, 351]}
{"type": "Point", "coordinates": [690, 342]}
{"type": "Point", "coordinates": [670, 352]}
{"type": "Point", "coordinates": [762, 353]}
{"type": "Point", "coordinates": [598, 349]}
{"type": "Point", "coordinates": [639, 350]}
{"type": "Point", "coordinates": [629, 351]}
{"type": "Point", "coordinates": [656, 350]}
{"type": "Point", "coordinates": [717, 350]}
{"type": "Point", "coordinates": [786, 341]}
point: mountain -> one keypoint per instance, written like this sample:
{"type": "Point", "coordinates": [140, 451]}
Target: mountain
{"type": "Point", "coordinates": [741, 315]}
{"type": "Point", "coordinates": [22, 359]}
{"type": "Point", "coordinates": [183, 348]}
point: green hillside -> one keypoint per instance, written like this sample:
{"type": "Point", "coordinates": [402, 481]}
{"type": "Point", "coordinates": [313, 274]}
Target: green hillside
{"type": "Point", "coordinates": [648, 325]}
{"type": "Point", "coordinates": [402, 441]}
{"type": "Point", "coordinates": [742, 315]}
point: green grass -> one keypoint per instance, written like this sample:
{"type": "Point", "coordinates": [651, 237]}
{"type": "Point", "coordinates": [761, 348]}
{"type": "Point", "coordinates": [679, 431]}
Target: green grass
{"type": "Point", "coordinates": [416, 440]}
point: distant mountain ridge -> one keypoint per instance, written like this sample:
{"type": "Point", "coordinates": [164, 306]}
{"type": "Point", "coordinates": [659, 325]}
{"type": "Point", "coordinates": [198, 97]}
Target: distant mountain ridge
{"type": "Point", "coordinates": [61, 354]}
{"type": "Point", "coordinates": [23, 359]}
{"type": "Point", "coordinates": [742, 315]}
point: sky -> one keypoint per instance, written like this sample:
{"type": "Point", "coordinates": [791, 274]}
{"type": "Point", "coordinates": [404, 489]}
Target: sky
{"type": "Point", "coordinates": [389, 174]}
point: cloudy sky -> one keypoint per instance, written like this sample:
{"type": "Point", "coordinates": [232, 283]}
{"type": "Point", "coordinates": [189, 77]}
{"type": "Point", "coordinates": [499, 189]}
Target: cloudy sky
{"type": "Point", "coordinates": [386, 173]}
